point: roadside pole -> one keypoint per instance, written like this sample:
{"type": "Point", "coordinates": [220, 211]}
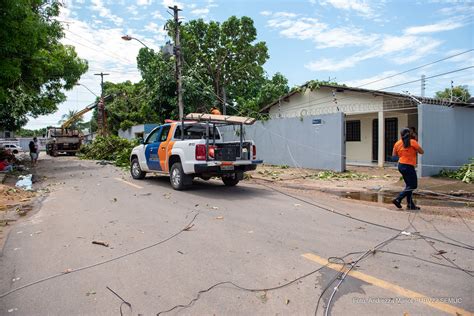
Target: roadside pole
{"type": "Point", "coordinates": [178, 55]}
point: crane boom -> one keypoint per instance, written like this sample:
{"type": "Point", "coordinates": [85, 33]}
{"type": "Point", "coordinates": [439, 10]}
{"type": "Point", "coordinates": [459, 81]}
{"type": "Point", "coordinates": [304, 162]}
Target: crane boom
{"type": "Point", "coordinates": [88, 108]}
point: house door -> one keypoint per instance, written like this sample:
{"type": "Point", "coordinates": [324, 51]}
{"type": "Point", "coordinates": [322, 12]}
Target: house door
{"type": "Point", "coordinates": [391, 137]}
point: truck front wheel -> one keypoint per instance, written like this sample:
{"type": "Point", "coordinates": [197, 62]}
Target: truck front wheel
{"type": "Point", "coordinates": [135, 170]}
{"type": "Point", "coordinates": [179, 180]}
{"type": "Point", "coordinates": [230, 180]}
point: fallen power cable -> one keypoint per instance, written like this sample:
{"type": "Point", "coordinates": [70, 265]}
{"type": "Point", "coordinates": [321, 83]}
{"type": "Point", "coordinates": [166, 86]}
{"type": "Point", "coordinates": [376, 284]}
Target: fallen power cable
{"type": "Point", "coordinates": [330, 260]}
{"type": "Point", "coordinates": [327, 209]}
{"type": "Point", "coordinates": [70, 271]}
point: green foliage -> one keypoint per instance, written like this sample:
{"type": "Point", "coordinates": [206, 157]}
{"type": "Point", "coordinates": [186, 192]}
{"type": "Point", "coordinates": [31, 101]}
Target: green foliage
{"type": "Point", "coordinates": [30, 133]}
{"type": "Point", "coordinates": [331, 175]}
{"type": "Point", "coordinates": [465, 173]}
{"type": "Point", "coordinates": [315, 84]}
{"type": "Point", "coordinates": [458, 93]}
{"type": "Point", "coordinates": [225, 55]}
{"type": "Point", "coordinates": [110, 148]}
{"type": "Point", "coordinates": [35, 67]}
{"type": "Point", "coordinates": [264, 91]}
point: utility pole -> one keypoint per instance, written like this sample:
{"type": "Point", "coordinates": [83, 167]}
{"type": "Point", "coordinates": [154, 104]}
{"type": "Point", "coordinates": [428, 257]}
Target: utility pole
{"type": "Point", "coordinates": [224, 101]}
{"type": "Point", "coordinates": [178, 55]}
{"type": "Point", "coordinates": [452, 87]}
{"type": "Point", "coordinates": [101, 115]}
{"type": "Point", "coordinates": [423, 85]}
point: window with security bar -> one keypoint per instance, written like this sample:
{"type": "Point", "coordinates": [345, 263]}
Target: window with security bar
{"type": "Point", "coordinates": [353, 131]}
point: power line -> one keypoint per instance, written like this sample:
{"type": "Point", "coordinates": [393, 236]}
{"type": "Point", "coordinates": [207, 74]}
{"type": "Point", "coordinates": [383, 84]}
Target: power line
{"type": "Point", "coordinates": [415, 68]}
{"type": "Point", "coordinates": [434, 76]}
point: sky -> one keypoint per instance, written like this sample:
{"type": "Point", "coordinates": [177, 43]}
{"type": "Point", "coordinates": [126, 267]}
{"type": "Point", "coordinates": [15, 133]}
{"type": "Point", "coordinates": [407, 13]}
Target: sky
{"type": "Point", "coordinates": [354, 42]}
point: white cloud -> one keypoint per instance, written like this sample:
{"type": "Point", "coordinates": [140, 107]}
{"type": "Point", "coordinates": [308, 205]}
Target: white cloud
{"type": "Point", "coordinates": [144, 2]}
{"type": "Point", "coordinates": [378, 83]}
{"type": "Point", "coordinates": [433, 28]}
{"type": "Point", "coordinates": [157, 15]}
{"type": "Point", "coordinates": [303, 28]}
{"type": "Point", "coordinates": [424, 47]}
{"type": "Point", "coordinates": [171, 3]}
{"type": "Point", "coordinates": [362, 7]}
{"type": "Point", "coordinates": [399, 49]}
{"type": "Point", "coordinates": [105, 51]}
{"type": "Point", "coordinates": [327, 64]}
{"type": "Point", "coordinates": [98, 5]}
{"type": "Point", "coordinates": [202, 11]}
{"type": "Point", "coordinates": [266, 13]}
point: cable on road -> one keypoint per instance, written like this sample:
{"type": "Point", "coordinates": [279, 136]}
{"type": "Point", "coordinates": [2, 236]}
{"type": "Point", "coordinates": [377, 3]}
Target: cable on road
{"type": "Point", "coordinates": [438, 252]}
{"type": "Point", "coordinates": [67, 272]}
{"type": "Point", "coordinates": [359, 219]}
{"type": "Point", "coordinates": [198, 296]}
{"type": "Point", "coordinates": [124, 302]}
{"type": "Point", "coordinates": [332, 259]}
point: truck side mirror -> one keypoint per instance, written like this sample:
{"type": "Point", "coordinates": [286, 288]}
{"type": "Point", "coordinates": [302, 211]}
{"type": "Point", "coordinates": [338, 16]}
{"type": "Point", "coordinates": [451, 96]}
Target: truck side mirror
{"type": "Point", "coordinates": [141, 140]}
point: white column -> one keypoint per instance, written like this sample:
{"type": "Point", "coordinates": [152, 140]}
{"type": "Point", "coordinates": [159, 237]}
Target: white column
{"type": "Point", "coordinates": [381, 132]}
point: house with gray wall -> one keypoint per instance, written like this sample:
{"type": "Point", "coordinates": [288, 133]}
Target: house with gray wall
{"type": "Point", "coordinates": [373, 120]}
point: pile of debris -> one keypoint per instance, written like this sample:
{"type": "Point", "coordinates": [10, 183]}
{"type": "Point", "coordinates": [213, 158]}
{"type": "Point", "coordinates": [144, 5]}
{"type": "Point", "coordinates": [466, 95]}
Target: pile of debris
{"type": "Point", "coordinates": [109, 148]}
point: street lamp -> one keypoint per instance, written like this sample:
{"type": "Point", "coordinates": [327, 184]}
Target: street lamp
{"type": "Point", "coordinates": [129, 38]}
{"type": "Point", "coordinates": [81, 84]}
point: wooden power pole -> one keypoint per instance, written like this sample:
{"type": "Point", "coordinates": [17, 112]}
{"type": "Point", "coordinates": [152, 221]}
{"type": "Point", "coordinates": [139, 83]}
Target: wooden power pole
{"type": "Point", "coordinates": [179, 65]}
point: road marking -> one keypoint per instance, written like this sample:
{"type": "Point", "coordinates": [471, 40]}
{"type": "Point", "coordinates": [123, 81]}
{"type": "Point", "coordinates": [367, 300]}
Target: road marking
{"type": "Point", "coordinates": [417, 297]}
{"type": "Point", "coordinates": [129, 183]}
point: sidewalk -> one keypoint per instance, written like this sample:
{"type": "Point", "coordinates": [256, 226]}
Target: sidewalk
{"type": "Point", "coordinates": [359, 179]}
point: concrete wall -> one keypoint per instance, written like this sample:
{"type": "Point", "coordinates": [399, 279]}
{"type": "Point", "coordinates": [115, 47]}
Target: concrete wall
{"type": "Point", "coordinates": [132, 132]}
{"type": "Point", "coordinates": [447, 136]}
{"type": "Point", "coordinates": [321, 101]}
{"type": "Point", "coordinates": [361, 152]}
{"type": "Point", "coordinates": [298, 142]}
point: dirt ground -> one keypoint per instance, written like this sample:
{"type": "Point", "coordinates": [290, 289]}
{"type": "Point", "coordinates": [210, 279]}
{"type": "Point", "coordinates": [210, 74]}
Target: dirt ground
{"type": "Point", "coordinates": [15, 202]}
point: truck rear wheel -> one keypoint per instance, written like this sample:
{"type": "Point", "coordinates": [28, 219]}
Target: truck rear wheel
{"type": "Point", "coordinates": [135, 170]}
{"type": "Point", "coordinates": [230, 180]}
{"type": "Point", "coordinates": [179, 180]}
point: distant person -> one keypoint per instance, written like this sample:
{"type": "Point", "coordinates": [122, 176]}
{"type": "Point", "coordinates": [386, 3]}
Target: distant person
{"type": "Point", "coordinates": [406, 149]}
{"type": "Point", "coordinates": [34, 150]}
{"type": "Point", "coordinates": [413, 133]}
{"type": "Point", "coordinates": [5, 166]}
{"type": "Point", "coordinates": [215, 111]}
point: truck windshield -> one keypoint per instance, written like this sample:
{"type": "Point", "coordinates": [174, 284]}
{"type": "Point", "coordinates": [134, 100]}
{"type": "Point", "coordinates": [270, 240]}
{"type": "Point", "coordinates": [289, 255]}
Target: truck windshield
{"type": "Point", "coordinates": [196, 131]}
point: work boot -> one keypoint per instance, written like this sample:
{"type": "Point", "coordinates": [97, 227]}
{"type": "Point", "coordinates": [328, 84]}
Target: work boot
{"type": "Point", "coordinates": [397, 203]}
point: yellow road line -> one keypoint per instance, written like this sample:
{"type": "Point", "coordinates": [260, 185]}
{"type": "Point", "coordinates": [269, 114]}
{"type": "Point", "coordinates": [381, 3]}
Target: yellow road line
{"type": "Point", "coordinates": [129, 183]}
{"type": "Point", "coordinates": [417, 297]}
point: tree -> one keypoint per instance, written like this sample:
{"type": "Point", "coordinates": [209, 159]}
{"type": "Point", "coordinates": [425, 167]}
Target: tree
{"type": "Point", "coordinates": [265, 92]}
{"type": "Point", "coordinates": [69, 115]}
{"type": "Point", "coordinates": [34, 66]}
{"type": "Point", "coordinates": [458, 93]}
{"type": "Point", "coordinates": [225, 55]}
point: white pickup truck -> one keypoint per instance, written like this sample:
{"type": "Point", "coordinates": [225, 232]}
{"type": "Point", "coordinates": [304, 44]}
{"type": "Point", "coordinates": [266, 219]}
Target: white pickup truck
{"type": "Point", "coordinates": [198, 152]}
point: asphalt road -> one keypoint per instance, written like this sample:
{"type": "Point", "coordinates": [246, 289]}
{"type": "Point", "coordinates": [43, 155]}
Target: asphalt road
{"type": "Point", "coordinates": [251, 235]}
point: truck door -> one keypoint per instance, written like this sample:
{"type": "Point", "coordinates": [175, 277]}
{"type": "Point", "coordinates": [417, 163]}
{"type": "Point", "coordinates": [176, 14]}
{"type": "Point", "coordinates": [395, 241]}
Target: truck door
{"type": "Point", "coordinates": [152, 144]}
{"type": "Point", "coordinates": [163, 148]}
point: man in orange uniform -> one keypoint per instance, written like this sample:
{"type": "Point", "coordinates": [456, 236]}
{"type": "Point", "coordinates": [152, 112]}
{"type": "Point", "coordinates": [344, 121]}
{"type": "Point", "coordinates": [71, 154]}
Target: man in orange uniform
{"type": "Point", "coordinates": [406, 149]}
{"type": "Point", "coordinates": [215, 111]}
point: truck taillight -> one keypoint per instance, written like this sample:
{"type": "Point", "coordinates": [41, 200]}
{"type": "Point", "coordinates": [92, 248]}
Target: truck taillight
{"type": "Point", "coordinates": [254, 152]}
{"type": "Point", "coordinates": [200, 152]}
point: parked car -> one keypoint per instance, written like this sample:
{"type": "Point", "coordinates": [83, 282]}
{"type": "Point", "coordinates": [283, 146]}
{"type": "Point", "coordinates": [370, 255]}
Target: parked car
{"type": "Point", "coordinates": [199, 151]}
{"type": "Point", "coordinates": [14, 149]}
